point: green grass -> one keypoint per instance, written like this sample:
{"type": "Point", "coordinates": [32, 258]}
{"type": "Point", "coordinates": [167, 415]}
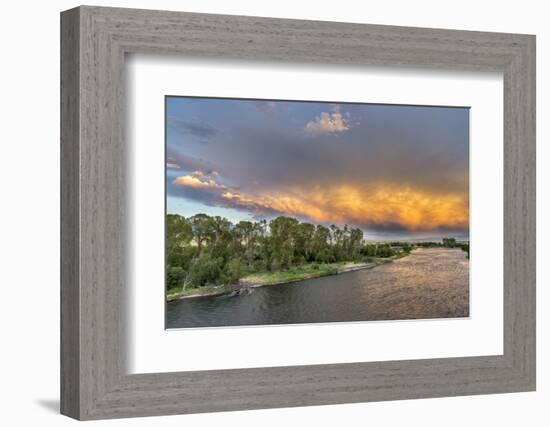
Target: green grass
{"type": "Point", "coordinates": [294, 274]}
{"type": "Point", "coordinates": [175, 293]}
{"type": "Point", "coordinates": [402, 254]}
{"type": "Point", "coordinates": [378, 261]}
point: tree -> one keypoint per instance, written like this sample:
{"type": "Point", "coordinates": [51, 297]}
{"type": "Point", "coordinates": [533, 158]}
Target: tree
{"type": "Point", "coordinates": [336, 242]}
{"type": "Point", "coordinates": [345, 241]}
{"type": "Point", "coordinates": [178, 233]}
{"type": "Point", "coordinates": [248, 232]}
{"type": "Point", "coordinates": [203, 229]}
{"type": "Point", "coordinates": [178, 251]}
{"type": "Point", "coordinates": [449, 242]}
{"type": "Point", "coordinates": [232, 271]}
{"type": "Point", "coordinates": [221, 238]}
{"type": "Point", "coordinates": [303, 241]}
{"type": "Point", "coordinates": [321, 246]}
{"type": "Point", "coordinates": [355, 242]}
{"type": "Point", "coordinates": [174, 277]}
{"type": "Point", "coordinates": [368, 250]}
{"type": "Point", "coordinates": [204, 270]}
{"type": "Point", "coordinates": [384, 251]}
{"type": "Point", "coordinates": [281, 239]}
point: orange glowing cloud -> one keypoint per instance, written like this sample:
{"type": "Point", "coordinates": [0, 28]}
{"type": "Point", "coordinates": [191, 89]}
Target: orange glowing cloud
{"type": "Point", "coordinates": [380, 206]}
{"type": "Point", "coordinates": [199, 180]}
{"type": "Point", "coordinates": [390, 207]}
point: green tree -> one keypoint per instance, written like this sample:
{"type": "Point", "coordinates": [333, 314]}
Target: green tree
{"type": "Point", "coordinates": [384, 251]}
{"type": "Point", "coordinates": [249, 233]}
{"type": "Point", "coordinates": [303, 241]}
{"type": "Point", "coordinates": [346, 239]}
{"type": "Point", "coordinates": [178, 233]}
{"type": "Point", "coordinates": [321, 245]}
{"type": "Point", "coordinates": [221, 238]}
{"type": "Point", "coordinates": [204, 270]}
{"type": "Point", "coordinates": [232, 271]}
{"type": "Point", "coordinates": [355, 242]}
{"type": "Point", "coordinates": [203, 229]}
{"type": "Point", "coordinates": [336, 242]}
{"type": "Point", "coordinates": [174, 277]}
{"type": "Point", "coordinates": [368, 250]}
{"type": "Point", "coordinates": [449, 242]}
{"type": "Point", "coordinates": [281, 241]}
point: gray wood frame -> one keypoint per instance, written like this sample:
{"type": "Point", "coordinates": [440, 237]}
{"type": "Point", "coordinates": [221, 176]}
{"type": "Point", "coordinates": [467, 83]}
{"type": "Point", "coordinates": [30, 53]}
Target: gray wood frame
{"type": "Point", "coordinates": [94, 41]}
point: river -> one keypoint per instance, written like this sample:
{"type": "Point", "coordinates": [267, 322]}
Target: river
{"type": "Point", "coordinates": [429, 283]}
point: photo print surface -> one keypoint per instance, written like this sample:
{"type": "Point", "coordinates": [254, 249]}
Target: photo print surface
{"type": "Point", "coordinates": [296, 212]}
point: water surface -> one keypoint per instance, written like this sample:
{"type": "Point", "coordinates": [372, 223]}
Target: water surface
{"type": "Point", "coordinates": [429, 283]}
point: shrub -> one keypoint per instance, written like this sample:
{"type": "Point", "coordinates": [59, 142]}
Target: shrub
{"type": "Point", "coordinates": [174, 277]}
{"type": "Point", "coordinates": [275, 265]}
{"type": "Point", "coordinates": [300, 260]}
{"type": "Point", "coordinates": [232, 271]}
{"type": "Point", "coordinates": [205, 270]}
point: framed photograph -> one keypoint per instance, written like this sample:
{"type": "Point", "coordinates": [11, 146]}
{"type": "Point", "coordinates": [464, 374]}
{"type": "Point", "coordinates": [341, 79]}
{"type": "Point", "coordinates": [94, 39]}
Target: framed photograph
{"type": "Point", "coordinates": [262, 213]}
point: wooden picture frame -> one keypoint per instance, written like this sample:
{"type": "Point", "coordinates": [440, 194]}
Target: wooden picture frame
{"type": "Point", "coordinates": [94, 382]}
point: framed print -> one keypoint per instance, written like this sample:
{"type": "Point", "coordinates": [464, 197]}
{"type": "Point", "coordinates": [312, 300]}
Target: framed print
{"type": "Point", "coordinates": [349, 208]}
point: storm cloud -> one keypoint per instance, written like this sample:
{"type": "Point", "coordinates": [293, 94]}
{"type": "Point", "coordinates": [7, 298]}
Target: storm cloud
{"type": "Point", "coordinates": [201, 130]}
{"type": "Point", "coordinates": [380, 167]}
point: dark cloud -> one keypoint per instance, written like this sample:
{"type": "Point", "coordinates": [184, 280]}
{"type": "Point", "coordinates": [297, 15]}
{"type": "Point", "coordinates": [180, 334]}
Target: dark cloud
{"type": "Point", "coordinates": [189, 163]}
{"type": "Point", "coordinates": [418, 155]}
{"type": "Point", "coordinates": [275, 158]}
{"type": "Point", "coordinates": [198, 129]}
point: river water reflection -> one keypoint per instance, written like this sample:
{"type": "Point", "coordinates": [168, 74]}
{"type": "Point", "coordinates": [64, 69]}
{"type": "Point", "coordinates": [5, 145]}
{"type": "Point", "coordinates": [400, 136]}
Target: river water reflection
{"type": "Point", "coordinates": [429, 283]}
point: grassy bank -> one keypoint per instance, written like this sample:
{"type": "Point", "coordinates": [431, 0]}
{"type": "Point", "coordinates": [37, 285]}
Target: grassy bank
{"type": "Point", "coordinates": [295, 274]}
{"type": "Point", "coordinates": [308, 271]}
{"type": "Point", "coordinates": [177, 293]}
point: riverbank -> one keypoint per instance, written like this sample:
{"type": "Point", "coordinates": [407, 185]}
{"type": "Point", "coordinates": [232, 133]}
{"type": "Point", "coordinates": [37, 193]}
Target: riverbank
{"type": "Point", "coordinates": [430, 283]}
{"type": "Point", "coordinates": [296, 274]}
{"type": "Point", "coordinates": [302, 273]}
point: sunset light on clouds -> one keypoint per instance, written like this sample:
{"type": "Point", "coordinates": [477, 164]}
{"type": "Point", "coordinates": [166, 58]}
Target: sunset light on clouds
{"type": "Point", "coordinates": [390, 170]}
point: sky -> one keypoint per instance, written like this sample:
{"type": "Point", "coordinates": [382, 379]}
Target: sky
{"type": "Point", "coordinates": [395, 171]}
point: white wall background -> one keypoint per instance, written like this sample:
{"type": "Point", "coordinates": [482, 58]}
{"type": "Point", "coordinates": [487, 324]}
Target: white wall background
{"type": "Point", "coordinates": [29, 238]}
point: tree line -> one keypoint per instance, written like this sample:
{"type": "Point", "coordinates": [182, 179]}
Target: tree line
{"type": "Point", "coordinates": [203, 249]}
{"type": "Point", "coordinates": [447, 242]}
